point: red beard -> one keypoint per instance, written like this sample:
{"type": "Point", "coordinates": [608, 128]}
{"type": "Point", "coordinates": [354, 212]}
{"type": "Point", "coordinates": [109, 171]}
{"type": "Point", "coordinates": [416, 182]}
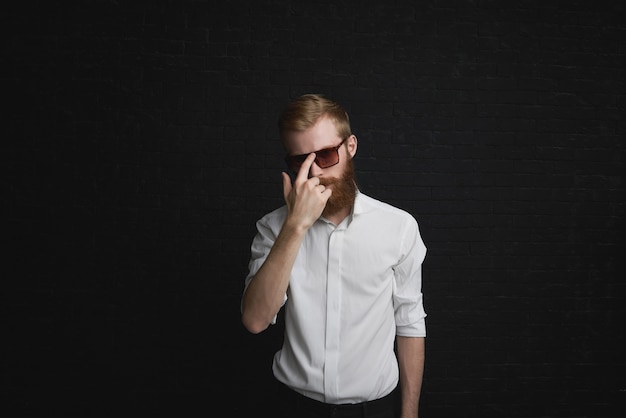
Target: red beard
{"type": "Point", "coordinates": [344, 190]}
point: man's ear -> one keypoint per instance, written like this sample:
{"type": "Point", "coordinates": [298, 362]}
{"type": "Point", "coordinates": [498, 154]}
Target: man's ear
{"type": "Point", "coordinates": [352, 145]}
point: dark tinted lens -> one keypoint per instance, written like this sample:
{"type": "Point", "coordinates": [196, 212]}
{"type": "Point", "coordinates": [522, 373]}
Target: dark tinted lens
{"type": "Point", "coordinates": [324, 158]}
{"type": "Point", "coordinates": [295, 161]}
{"type": "Point", "coordinates": [327, 157]}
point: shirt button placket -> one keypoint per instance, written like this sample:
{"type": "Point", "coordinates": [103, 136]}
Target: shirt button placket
{"type": "Point", "coordinates": [333, 314]}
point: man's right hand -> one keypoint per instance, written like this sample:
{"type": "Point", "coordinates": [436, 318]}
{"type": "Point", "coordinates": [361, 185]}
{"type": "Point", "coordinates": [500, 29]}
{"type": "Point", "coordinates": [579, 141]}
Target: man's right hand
{"type": "Point", "coordinates": [306, 198]}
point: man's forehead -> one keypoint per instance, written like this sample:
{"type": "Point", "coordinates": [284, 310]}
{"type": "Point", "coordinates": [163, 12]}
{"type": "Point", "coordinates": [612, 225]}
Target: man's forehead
{"type": "Point", "coordinates": [321, 135]}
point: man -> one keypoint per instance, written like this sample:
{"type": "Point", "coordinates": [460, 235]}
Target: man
{"type": "Point", "coordinates": [347, 269]}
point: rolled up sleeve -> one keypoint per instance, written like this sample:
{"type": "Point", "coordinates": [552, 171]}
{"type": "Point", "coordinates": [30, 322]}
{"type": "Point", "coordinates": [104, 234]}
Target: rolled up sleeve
{"type": "Point", "coordinates": [259, 250]}
{"type": "Point", "coordinates": [407, 291]}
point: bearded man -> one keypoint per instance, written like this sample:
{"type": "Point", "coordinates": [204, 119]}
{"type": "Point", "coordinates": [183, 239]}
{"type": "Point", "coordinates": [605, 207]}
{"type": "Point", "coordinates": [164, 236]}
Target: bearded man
{"type": "Point", "coordinates": [347, 269]}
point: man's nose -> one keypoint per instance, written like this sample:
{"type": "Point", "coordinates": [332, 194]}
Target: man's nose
{"type": "Point", "coordinates": [315, 170]}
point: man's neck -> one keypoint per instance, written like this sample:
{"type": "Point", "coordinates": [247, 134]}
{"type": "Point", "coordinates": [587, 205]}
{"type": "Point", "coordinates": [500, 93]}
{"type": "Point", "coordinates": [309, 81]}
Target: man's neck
{"type": "Point", "coordinates": [337, 217]}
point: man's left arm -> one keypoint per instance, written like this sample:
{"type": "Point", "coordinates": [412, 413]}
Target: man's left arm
{"type": "Point", "coordinates": [410, 352]}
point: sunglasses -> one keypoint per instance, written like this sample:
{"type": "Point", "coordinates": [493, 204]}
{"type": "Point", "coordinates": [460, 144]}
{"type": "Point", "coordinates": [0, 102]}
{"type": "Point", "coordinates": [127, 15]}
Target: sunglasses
{"type": "Point", "coordinates": [324, 158]}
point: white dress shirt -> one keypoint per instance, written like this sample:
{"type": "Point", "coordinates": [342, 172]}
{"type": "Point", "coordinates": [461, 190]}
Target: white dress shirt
{"type": "Point", "coordinates": [353, 288]}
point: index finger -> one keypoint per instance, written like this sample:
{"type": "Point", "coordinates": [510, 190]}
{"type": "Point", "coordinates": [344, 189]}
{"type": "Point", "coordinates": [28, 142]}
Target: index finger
{"type": "Point", "coordinates": [303, 173]}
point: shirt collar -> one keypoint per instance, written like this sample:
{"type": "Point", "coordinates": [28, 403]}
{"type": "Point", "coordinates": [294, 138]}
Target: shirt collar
{"type": "Point", "coordinates": [361, 205]}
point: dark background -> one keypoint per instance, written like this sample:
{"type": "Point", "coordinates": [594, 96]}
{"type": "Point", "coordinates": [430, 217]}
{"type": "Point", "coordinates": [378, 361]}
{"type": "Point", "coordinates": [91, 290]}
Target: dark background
{"type": "Point", "coordinates": [140, 147]}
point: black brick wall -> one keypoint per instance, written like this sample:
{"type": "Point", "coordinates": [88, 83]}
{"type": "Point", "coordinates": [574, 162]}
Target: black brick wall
{"type": "Point", "coordinates": [139, 148]}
